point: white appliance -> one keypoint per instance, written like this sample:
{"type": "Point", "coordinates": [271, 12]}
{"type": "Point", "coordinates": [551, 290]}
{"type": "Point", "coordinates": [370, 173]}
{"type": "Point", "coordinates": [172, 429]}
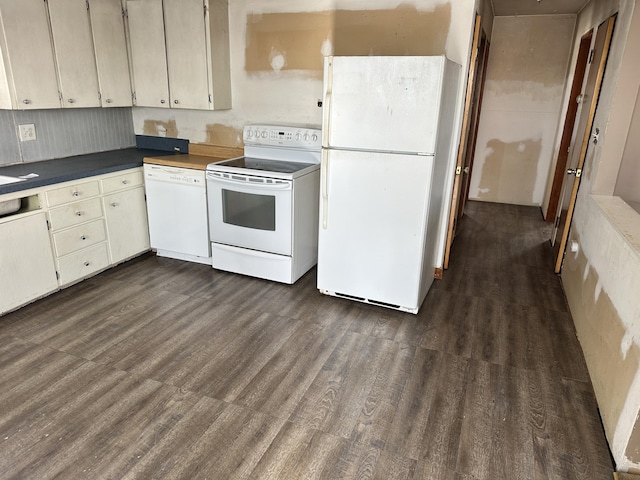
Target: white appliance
{"type": "Point", "coordinates": [263, 206]}
{"type": "Point", "coordinates": [177, 210]}
{"type": "Point", "coordinates": [387, 148]}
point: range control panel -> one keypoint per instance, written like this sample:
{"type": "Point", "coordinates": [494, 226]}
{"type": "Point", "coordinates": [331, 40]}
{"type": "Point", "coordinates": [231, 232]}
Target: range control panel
{"type": "Point", "coordinates": [281, 136]}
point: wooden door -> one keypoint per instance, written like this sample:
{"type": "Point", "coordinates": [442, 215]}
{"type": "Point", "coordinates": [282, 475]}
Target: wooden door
{"type": "Point", "coordinates": [469, 124]}
{"type": "Point", "coordinates": [575, 100]}
{"type": "Point", "coordinates": [573, 176]}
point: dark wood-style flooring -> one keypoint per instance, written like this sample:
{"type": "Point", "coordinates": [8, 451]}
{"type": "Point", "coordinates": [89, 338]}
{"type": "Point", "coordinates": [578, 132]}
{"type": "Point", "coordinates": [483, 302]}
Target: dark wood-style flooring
{"type": "Point", "coordinates": [165, 369]}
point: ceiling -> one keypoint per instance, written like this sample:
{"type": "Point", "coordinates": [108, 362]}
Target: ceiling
{"type": "Point", "coordinates": [536, 7]}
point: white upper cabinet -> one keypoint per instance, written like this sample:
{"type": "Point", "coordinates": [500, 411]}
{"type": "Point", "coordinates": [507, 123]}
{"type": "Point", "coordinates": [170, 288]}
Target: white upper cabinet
{"type": "Point", "coordinates": [110, 45]}
{"type": "Point", "coordinates": [27, 68]}
{"type": "Point", "coordinates": [148, 53]}
{"type": "Point", "coordinates": [73, 48]}
{"type": "Point", "coordinates": [184, 28]}
{"type": "Point", "coordinates": [192, 71]}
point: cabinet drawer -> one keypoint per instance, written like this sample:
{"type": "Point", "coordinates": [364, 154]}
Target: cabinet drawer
{"type": "Point", "coordinates": [75, 213]}
{"type": "Point", "coordinates": [120, 182]}
{"type": "Point", "coordinates": [81, 236]}
{"type": "Point", "coordinates": [72, 193]}
{"type": "Point", "coordinates": [83, 263]}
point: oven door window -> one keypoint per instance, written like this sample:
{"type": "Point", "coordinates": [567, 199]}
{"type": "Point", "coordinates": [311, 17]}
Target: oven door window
{"type": "Point", "coordinates": [249, 210]}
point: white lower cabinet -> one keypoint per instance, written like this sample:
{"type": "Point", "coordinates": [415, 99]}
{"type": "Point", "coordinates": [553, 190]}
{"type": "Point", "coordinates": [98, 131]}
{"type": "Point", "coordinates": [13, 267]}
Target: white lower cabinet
{"type": "Point", "coordinates": [27, 270]}
{"type": "Point", "coordinates": [126, 216]}
{"type": "Point", "coordinates": [70, 231]}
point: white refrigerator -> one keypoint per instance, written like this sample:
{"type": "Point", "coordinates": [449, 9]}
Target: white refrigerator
{"type": "Point", "coordinates": [388, 151]}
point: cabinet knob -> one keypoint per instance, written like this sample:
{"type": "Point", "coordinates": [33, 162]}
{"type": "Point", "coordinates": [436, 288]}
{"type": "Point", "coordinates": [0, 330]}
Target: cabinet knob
{"type": "Point", "coordinates": [162, 101]}
{"type": "Point", "coordinates": [114, 204]}
{"type": "Point", "coordinates": [86, 264]}
{"type": "Point", "coordinates": [26, 101]}
{"type": "Point", "coordinates": [124, 182]}
{"type": "Point", "coordinates": [71, 100]}
{"type": "Point", "coordinates": [76, 194]}
{"type": "Point", "coordinates": [108, 100]}
{"type": "Point", "coordinates": [79, 214]}
{"type": "Point", "coordinates": [83, 237]}
{"type": "Point", "coordinates": [176, 102]}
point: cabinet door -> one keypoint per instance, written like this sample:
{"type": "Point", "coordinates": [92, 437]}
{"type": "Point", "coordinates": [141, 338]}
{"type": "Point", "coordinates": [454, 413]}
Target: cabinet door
{"type": "Point", "coordinates": [27, 270]}
{"type": "Point", "coordinates": [145, 26]}
{"type": "Point", "coordinates": [110, 45]}
{"type": "Point", "coordinates": [186, 53]}
{"type": "Point", "coordinates": [28, 70]}
{"type": "Point", "coordinates": [73, 48]}
{"type": "Point", "coordinates": [127, 224]}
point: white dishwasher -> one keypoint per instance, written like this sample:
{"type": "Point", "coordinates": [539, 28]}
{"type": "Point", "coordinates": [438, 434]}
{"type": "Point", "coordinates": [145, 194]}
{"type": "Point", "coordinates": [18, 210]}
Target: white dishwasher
{"type": "Point", "coordinates": [177, 210]}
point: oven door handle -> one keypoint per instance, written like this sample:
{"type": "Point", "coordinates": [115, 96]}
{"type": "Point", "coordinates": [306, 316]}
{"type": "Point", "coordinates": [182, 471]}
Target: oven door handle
{"type": "Point", "coordinates": [252, 185]}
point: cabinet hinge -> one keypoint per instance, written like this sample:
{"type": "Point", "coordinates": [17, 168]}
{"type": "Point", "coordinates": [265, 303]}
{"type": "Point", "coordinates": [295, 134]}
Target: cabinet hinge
{"type": "Point", "coordinates": [210, 99]}
{"type": "Point", "coordinates": [133, 97]}
{"type": "Point", "coordinates": [591, 55]}
{"type": "Point", "coordinates": [458, 170]}
{"type": "Point", "coordinates": [48, 225]}
{"type": "Point", "coordinates": [57, 275]}
{"type": "Point", "coordinates": [87, 2]}
{"type": "Point", "coordinates": [557, 224]}
{"type": "Point", "coordinates": [125, 13]}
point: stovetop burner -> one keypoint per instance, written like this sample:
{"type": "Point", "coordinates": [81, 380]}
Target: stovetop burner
{"type": "Point", "coordinates": [265, 165]}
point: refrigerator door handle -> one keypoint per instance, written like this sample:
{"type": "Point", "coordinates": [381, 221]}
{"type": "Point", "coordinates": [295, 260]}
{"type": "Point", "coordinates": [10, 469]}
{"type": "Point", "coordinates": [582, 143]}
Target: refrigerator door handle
{"type": "Point", "coordinates": [324, 173]}
{"type": "Point", "coordinates": [326, 103]}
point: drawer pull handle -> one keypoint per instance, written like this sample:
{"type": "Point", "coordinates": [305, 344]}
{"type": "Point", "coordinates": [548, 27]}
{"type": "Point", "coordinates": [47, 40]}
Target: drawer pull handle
{"type": "Point", "coordinates": [114, 204]}
{"type": "Point", "coordinates": [76, 194]}
{"type": "Point", "coordinates": [86, 264]}
{"type": "Point", "coordinates": [83, 237]}
{"type": "Point", "coordinates": [79, 214]}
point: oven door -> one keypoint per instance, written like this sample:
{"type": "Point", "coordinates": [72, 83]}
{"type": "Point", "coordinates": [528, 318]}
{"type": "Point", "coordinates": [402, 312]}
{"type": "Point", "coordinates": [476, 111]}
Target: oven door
{"type": "Point", "coordinates": [250, 212]}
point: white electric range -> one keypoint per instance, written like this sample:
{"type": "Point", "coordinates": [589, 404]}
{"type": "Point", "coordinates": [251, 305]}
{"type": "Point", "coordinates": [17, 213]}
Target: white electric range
{"type": "Point", "coordinates": [263, 206]}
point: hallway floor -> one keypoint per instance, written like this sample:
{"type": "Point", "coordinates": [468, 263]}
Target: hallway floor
{"type": "Point", "coordinates": [164, 369]}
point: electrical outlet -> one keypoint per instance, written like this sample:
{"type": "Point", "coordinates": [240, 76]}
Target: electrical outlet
{"type": "Point", "coordinates": [27, 132]}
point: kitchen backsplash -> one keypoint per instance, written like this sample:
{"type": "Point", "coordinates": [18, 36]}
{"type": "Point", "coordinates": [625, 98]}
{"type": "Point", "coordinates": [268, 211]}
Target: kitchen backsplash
{"type": "Point", "coordinates": [64, 133]}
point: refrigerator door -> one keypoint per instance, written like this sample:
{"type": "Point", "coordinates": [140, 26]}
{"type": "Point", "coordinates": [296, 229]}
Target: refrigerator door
{"type": "Point", "coordinates": [373, 215]}
{"type": "Point", "coordinates": [388, 104]}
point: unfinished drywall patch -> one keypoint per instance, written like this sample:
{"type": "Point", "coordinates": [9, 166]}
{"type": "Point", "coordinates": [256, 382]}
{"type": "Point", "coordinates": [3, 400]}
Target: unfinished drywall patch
{"type": "Point", "coordinates": [298, 41]}
{"type": "Point", "coordinates": [159, 128]}
{"type": "Point", "coordinates": [510, 160]}
{"type": "Point", "coordinates": [401, 31]}
{"type": "Point", "coordinates": [613, 363]}
{"type": "Point", "coordinates": [219, 134]}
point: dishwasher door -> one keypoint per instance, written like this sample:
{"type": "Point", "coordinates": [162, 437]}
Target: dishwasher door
{"type": "Point", "coordinates": [177, 210]}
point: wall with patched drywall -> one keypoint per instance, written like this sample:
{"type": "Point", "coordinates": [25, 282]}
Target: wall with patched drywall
{"type": "Point", "coordinates": [277, 51]}
{"type": "Point", "coordinates": [523, 93]}
{"type": "Point", "coordinates": [602, 279]}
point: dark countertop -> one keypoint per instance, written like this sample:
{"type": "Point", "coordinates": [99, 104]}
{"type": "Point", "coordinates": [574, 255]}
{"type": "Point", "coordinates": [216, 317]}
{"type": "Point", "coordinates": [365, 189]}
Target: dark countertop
{"type": "Point", "coordinates": [72, 168]}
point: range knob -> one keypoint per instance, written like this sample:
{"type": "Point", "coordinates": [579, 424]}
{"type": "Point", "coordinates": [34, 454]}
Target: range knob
{"type": "Point", "coordinates": [264, 134]}
{"type": "Point", "coordinates": [249, 134]}
{"type": "Point", "coordinates": [306, 137]}
{"type": "Point", "coordinates": [298, 136]}
{"type": "Point", "coordinates": [314, 137]}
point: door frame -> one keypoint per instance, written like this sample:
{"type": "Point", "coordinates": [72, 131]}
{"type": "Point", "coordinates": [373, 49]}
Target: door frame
{"type": "Point", "coordinates": [469, 107]}
{"type": "Point", "coordinates": [559, 252]}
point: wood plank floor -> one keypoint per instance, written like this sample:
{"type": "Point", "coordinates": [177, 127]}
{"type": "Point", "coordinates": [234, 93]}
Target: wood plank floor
{"type": "Point", "coordinates": [164, 369]}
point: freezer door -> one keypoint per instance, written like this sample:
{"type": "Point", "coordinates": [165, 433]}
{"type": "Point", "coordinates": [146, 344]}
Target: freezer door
{"type": "Point", "coordinates": [386, 104]}
{"type": "Point", "coordinates": [373, 216]}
